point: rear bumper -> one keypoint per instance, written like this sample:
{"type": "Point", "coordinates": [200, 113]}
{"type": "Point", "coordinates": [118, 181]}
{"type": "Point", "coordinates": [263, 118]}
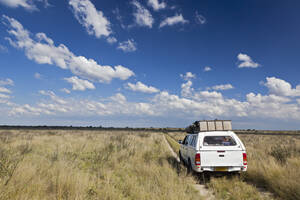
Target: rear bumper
{"type": "Point", "coordinates": [223, 169]}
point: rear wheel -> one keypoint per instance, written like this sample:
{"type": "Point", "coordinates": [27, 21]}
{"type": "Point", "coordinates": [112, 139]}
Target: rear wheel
{"type": "Point", "coordinates": [180, 159]}
{"type": "Point", "coordinates": [189, 167]}
{"type": "Point", "coordinates": [203, 180]}
{"type": "Point", "coordinates": [205, 177]}
{"type": "Point", "coordinates": [235, 175]}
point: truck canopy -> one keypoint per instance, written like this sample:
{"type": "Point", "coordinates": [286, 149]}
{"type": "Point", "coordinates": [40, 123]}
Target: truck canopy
{"type": "Point", "coordinates": [216, 140]}
{"type": "Point", "coordinates": [220, 148]}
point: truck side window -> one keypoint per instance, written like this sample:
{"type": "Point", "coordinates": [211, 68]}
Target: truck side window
{"type": "Point", "coordinates": [184, 141]}
{"type": "Point", "coordinates": [187, 140]}
{"type": "Point", "coordinates": [193, 141]}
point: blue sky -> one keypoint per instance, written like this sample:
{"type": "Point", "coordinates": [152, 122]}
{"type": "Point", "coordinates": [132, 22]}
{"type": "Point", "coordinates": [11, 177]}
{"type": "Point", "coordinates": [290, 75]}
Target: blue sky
{"type": "Point", "coordinates": [142, 63]}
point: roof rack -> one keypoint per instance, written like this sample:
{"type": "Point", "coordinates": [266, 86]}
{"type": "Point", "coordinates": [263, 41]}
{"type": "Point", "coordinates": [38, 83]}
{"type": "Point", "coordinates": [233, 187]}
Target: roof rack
{"type": "Point", "coordinates": [209, 125]}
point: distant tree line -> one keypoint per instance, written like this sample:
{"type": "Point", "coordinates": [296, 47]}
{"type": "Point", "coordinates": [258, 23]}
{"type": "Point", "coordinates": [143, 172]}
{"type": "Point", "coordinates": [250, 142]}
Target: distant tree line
{"type": "Point", "coordinates": [150, 129]}
{"type": "Point", "coordinates": [90, 128]}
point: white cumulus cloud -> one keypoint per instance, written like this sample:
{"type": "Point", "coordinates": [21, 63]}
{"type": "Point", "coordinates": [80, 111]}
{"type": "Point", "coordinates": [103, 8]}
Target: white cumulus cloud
{"type": "Point", "coordinates": [170, 21]}
{"type": "Point", "coordinates": [208, 95]}
{"type": "Point", "coordinates": [199, 18]}
{"type": "Point", "coordinates": [53, 96]}
{"type": "Point", "coordinates": [281, 87]}
{"type": "Point", "coordinates": [119, 98]}
{"type": "Point", "coordinates": [207, 69]}
{"type": "Point", "coordinates": [246, 61]}
{"type": "Point", "coordinates": [7, 82]}
{"type": "Point", "coordinates": [88, 16]}
{"type": "Point", "coordinates": [37, 75]}
{"type": "Point", "coordinates": [140, 87]}
{"type": "Point", "coordinates": [116, 105]}
{"type": "Point", "coordinates": [222, 87]}
{"type": "Point", "coordinates": [199, 104]}
{"type": "Point", "coordinates": [187, 76]}
{"type": "Point", "coordinates": [4, 96]}
{"type": "Point", "coordinates": [27, 4]}
{"type": "Point", "coordinates": [142, 15]}
{"type": "Point", "coordinates": [79, 84]}
{"type": "Point", "coordinates": [156, 5]}
{"type": "Point", "coordinates": [128, 46]}
{"type": "Point", "coordinates": [111, 40]}
{"type": "Point", "coordinates": [272, 107]}
{"type": "Point", "coordinates": [65, 90]}
{"type": "Point", "coordinates": [186, 89]}
{"type": "Point", "coordinates": [3, 49]}
{"type": "Point", "coordinates": [4, 90]}
{"type": "Point", "coordinates": [43, 51]}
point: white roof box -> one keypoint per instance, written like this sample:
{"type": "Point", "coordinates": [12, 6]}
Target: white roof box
{"type": "Point", "coordinates": [209, 125]}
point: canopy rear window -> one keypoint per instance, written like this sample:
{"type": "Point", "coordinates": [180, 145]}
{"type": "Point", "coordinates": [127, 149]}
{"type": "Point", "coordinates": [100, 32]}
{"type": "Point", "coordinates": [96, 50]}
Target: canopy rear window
{"type": "Point", "coordinates": [219, 141]}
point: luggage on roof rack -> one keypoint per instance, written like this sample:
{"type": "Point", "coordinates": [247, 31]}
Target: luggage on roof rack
{"type": "Point", "coordinates": [209, 125]}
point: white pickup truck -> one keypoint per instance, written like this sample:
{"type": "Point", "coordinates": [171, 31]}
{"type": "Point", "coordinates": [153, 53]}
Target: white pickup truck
{"type": "Point", "coordinates": [213, 151]}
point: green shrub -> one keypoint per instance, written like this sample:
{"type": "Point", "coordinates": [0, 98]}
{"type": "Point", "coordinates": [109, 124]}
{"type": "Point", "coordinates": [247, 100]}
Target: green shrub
{"type": "Point", "coordinates": [281, 153]}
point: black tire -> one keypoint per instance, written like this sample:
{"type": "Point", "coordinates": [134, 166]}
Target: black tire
{"type": "Point", "coordinates": [235, 175]}
{"type": "Point", "coordinates": [205, 177]}
{"type": "Point", "coordinates": [180, 159]}
{"type": "Point", "coordinates": [189, 167]}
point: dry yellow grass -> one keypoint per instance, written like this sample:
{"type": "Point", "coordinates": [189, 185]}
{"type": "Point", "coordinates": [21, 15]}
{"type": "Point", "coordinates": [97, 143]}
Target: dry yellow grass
{"type": "Point", "coordinates": [174, 144]}
{"type": "Point", "coordinates": [177, 135]}
{"type": "Point", "coordinates": [89, 165]}
{"type": "Point", "coordinates": [274, 163]}
{"type": "Point", "coordinates": [133, 165]}
{"type": "Point", "coordinates": [234, 189]}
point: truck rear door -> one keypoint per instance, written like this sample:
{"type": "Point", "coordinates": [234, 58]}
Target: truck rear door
{"type": "Point", "coordinates": [221, 151]}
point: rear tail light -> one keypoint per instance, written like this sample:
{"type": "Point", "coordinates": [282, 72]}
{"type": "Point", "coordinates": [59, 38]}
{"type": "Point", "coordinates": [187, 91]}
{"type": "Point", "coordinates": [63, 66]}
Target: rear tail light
{"type": "Point", "coordinates": [197, 159]}
{"type": "Point", "coordinates": [245, 159]}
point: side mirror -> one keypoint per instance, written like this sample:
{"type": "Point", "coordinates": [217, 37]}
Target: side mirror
{"type": "Point", "coordinates": [180, 141]}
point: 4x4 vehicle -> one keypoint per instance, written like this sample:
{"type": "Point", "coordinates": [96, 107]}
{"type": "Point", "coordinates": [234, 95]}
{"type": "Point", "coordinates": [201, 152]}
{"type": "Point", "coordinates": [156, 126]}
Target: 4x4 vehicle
{"type": "Point", "coordinates": [215, 151]}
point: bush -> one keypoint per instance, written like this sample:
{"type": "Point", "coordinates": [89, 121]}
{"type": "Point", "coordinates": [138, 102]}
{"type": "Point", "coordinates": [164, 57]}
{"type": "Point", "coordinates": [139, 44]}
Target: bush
{"type": "Point", "coordinates": [281, 153]}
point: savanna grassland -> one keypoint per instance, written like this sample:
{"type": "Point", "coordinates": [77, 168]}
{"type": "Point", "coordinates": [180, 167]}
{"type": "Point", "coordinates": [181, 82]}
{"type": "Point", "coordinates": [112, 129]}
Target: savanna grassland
{"type": "Point", "coordinates": [40, 164]}
{"type": "Point", "coordinates": [78, 164]}
{"type": "Point", "coordinates": [273, 165]}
